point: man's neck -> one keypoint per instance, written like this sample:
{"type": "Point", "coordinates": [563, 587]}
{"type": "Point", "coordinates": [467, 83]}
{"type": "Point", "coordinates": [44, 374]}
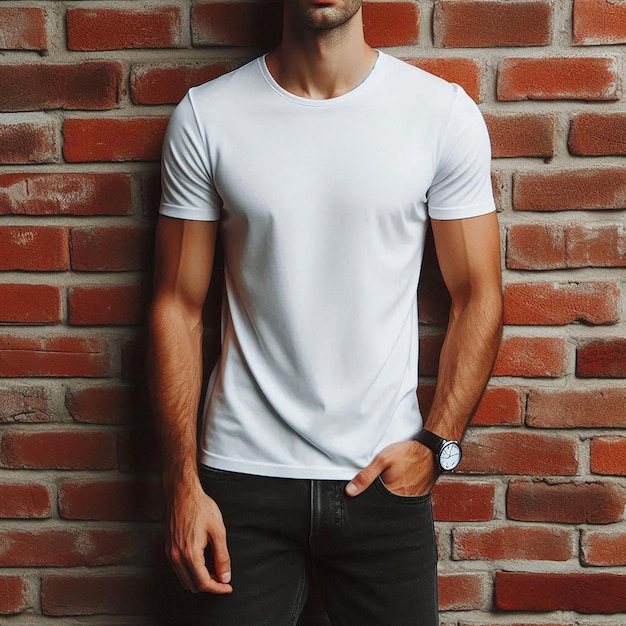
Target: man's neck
{"type": "Point", "coordinates": [321, 64]}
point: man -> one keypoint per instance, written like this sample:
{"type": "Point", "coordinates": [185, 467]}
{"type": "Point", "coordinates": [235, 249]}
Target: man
{"type": "Point", "coordinates": [321, 163]}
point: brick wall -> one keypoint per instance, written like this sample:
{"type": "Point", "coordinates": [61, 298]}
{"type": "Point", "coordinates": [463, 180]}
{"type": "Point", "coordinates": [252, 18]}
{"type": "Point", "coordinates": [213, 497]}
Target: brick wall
{"type": "Point", "coordinates": [532, 530]}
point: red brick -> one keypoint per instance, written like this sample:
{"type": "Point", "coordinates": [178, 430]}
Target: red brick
{"type": "Point", "coordinates": [102, 405]}
{"type": "Point", "coordinates": [465, 24]}
{"type": "Point", "coordinates": [565, 503]}
{"type": "Point", "coordinates": [602, 359]}
{"type": "Point", "coordinates": [107, 305]}
{"type": "Point", "coordinates": [462, 592]}
{"type": "Point", "coordinates": [608, 455]}
{"type": "Point", "coordinates": [134, 360]}
{"type": "Point", "coordinates": [530, 543]}
{"type": "Point", "coordinates": [549, 304]}
{"type": "Point", "coordinates": [564, 191]}
{"type": "Point", "coordinates": [89, 594]}
{"type": "Point", "coordinates": [24, 500]}
{"type": "Point", "coordinates": [40, 248]}
{"type": "Point", "coordinates": [429, 350]}
{"type": "Point", "coordinates": [138, 451]}
{"type": "Point", "coordinates": [603, 548]}
{"type": "Point", "coordinates": [390, 23]}
{"type": "Point", "coordinates": [598, 134]}
{"type": "Point", "coordinates": [598, 22]}
{"type": "Point", "coordinates": [118, 29]}
{"type": "Point", "coordinates": [590, 408]}
{"type": "Point", "coordinates": [433, 298]}
{"type": "Point", "coordinates": [55, 356]}
{"type": "Point", "coordinates": [64, 548]}
{"type": "Point", "coordinates": [20, 303]}
{"type": "Point", "coordinates": [521, 134]}
{"type": "Point", "coordinates": [236, 24]}
{"type": "Point", "coordinates": [112, 500]}
{"type": "Point", "coordinates": [59, 449]}
{"type": "Point", "coordinates": [463, 501]}
{"type": "Point", "coordinates": [583, 593]}
{"type": "Point", "coordinates": [531, 357]}
{"type": "Point", "coordinates": [519, 452]}
{"type": "Point", "coordinates": [459, 70]}
{"type": "Point", "coordinates": [23, 404]}
{"type": "Point", "coordinates": [28, 141]}
{"type": "Point", "coordinates": [12, 595]}
{"type": "Point", "coordinates": [70, 193]}
{"type": "Point", "coordinates": [91, 86]}
{"type": "Point", "coordinates": [167, 84]}
{"type": "Point", "coordinates": [500, 406]}
{"type": "Point", "coordinates": [111, 248]}
{"type": "Point", "coordinates": [564, 78]}
{"type": "Point", "coordinates": [113, 139]}
{"type": "Point", "coordinates": [558, 246]}
{"type": "Point", "coordinates": [23, 28]}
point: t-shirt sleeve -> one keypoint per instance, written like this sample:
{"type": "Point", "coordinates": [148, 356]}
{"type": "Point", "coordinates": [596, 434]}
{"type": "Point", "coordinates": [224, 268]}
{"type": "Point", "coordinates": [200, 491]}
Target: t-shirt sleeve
{"type": "Point", "coordinates": [187, 185]}
{"type": "Point", "coordinates": [462, 183]}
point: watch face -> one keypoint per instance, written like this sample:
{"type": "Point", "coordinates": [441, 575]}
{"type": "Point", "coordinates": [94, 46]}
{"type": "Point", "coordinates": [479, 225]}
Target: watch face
{"type": "Point", "coordinates": [450, 456]}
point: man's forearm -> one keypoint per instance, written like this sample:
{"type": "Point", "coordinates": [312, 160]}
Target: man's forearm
{"type": "Point", "coordinates": [175, 383]}
{"type": "Point", "coordinates": [465, 364]}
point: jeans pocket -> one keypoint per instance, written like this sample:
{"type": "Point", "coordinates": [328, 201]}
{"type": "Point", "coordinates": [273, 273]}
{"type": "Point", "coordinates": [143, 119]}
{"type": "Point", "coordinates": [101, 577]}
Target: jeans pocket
{"type": "Point", "coordinates": [396, 497]}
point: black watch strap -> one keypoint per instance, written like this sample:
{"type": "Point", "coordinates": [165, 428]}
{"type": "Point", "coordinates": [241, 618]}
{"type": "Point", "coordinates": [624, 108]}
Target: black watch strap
{"type": "Point", "coordinates": [430, 440]}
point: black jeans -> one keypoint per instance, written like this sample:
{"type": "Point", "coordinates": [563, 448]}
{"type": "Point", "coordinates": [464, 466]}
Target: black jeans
{"type": "Point", "coordinates": [373, 556]}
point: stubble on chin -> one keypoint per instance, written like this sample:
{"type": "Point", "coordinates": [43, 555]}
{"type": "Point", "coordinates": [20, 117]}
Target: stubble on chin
{"type": "Point", "coordinates": [323, 17]}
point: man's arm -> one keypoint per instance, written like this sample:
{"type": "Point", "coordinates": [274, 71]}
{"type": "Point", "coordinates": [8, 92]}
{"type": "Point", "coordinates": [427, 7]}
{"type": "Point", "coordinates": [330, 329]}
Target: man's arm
{"type": "Point", "coordinates": [468, 251]}
{"type": "Point", "coordinates": [184, 261]}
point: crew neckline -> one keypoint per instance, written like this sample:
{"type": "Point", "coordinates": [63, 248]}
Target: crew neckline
{"type": "Point", "coordinates": [312, 102]}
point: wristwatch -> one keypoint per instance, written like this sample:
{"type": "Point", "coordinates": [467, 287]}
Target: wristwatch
{"type": "Point", "coordinates": [447, 453]}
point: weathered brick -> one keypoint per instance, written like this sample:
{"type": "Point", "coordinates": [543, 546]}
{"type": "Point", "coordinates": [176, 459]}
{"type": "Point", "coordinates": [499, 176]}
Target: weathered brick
{"type": "Point", "coordinates": [28, 140]}
{"type": "Point", "coordinates": [111, 248]}
{"type": "Point", "coordinates": [519, 452]}
{"type": "Point", "coordinates": [55, 356]}
{"type": "Point", "coordinates": [39, 248]}
{"type": "Point", "coordinates": [107, 305]}
{"type": "Point", "coordinates": [502, 543]}
{"type": "Point", "coordinates": [92, 594]}
{"type": "Point", "coordinates": [23, 404]}
{"type": "Point", "coordinates": [113, 139]}
{"type": "Point", "coordinates": [34, 304]}
{"type": "Point", "coordinates": [70, 193]}
{"type": "Point", "coordinates": [391, 23]}
{"type": "Point", "coordinates": [565, 191]}
{"type": "Point", "coordinates": [65, 449]}
{"type": "Point", "coordinates": [598, 22]}
{"type": "Point", "coordinates": [603, 548]}
{"type": "Point", "coordinates": [604, 358]}
{"type": "Point", "coordinates": [110, 500]}
{"type": "Point", "coordinates": [558, 246]}
{"type": "Point", "coordinates": [117, 29]}
{"type": "Point", "coordinates": [24, 500]}
{"type": "Point", "coordinates": [525, 134]}
{"type": "Point", "coordinates": [103, 405]}
{"type": "Point", "coordinates": [65, 548]}
{"type": "Point", "coordinates": [549, 304]}
{"type": "Point", "coordinates": [608, 455]}
{"type": "Point", "coordinates": [465, 24]}
{"type": "Point", "coordinates": [531, 357]}
{"type": "Point", "coordinates": [500, 406]}
{"type": "Point", "coordinates": [12, 595]}
{"type": "Point", "coordinates": [565, 503]}
{"type": "Point", "coordinates": [590, 408]}
{"type": "Point", "coordinates": [583, 593]}
{"type": "Point", "coordinates": [167, 84]}
{"type": "Point", "coordinates": [462, 71]}
{"type": "Point", "coordinates": [462, 592]}
{"type": "Point", "coordinates": [463, 501]}
{"type": "Point", "coordinates": [91, 86]}
{"type": "Point", "coordinates": [563, 78]}
{"type": "Point", "coordinates": [598, 134]}
{"type": "Point", "coordinates": [23, 28]}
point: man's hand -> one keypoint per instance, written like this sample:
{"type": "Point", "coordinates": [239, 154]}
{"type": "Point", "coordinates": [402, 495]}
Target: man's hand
{"type": "Point", "coordinates": [407, 468]}
{"type": "Point", "coordinates": [194, 521]}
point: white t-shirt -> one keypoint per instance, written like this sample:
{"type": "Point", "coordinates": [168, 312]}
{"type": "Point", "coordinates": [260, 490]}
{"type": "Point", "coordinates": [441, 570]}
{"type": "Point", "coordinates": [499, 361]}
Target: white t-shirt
{"type": "Point", "coordinates": [323, 208]}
